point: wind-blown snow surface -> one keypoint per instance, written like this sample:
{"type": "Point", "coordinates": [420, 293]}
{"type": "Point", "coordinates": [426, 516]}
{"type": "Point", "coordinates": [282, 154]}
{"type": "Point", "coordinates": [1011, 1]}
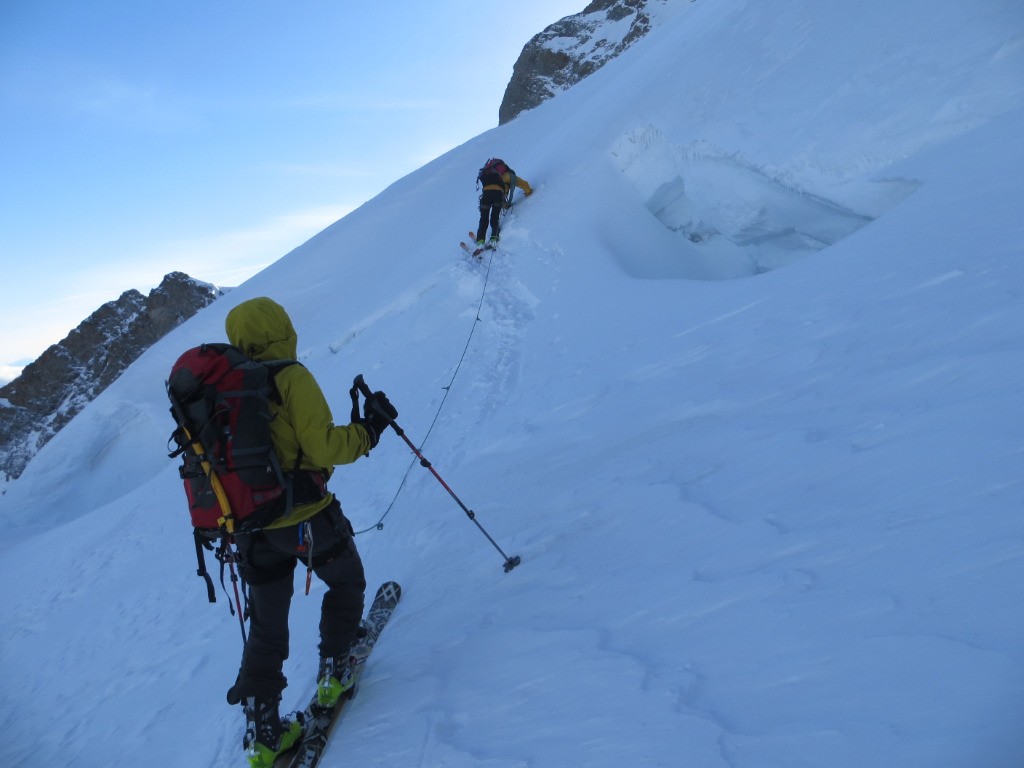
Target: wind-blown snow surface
{"type": "Point", "coordinates": [771, 521]}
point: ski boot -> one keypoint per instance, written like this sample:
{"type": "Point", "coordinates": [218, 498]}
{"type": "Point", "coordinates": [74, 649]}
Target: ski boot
{"type": "Point", "coordinates": [266, 734]}
{"type": "Point", "coordinates": [335, 678]}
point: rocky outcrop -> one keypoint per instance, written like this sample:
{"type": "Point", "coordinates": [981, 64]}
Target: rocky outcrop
{"type": "Point", "coordinates": [573, 48]}
{"type": "Point", "coordinates": [67, 376]}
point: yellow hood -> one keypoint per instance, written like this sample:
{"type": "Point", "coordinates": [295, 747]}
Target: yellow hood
{"type": "Point", "coordinates": [262, 329]}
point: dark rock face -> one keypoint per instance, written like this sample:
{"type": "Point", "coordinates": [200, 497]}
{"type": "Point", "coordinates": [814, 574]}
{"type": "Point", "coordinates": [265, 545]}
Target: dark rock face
{"type": "Point", "coordinates": [571, 49]}
{"type": "Point", "coordinates": [69, 375]}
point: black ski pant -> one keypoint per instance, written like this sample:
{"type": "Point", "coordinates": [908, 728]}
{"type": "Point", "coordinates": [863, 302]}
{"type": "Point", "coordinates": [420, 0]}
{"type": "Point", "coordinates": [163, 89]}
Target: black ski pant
{"type": "Point", "coordinates": [268, 560]}
{"type": "Point", "coordinates": [491, 203]}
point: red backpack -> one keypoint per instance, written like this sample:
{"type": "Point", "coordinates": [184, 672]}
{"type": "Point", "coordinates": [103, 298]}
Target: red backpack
{"type": "Point", "coordinates": [492, 171]}
{"type": "Point", "coordinates": [220, 401]}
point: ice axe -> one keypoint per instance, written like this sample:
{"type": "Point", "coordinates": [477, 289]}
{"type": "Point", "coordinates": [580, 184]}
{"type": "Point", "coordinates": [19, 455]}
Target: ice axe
{"type": "Point", "coordinates": [359, 385]}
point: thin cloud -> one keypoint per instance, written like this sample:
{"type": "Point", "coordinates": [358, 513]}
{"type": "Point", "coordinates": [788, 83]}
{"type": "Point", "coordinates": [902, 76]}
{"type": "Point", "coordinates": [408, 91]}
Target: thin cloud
{"type": "Point", "coordinates": [344, 102]}
{"type": "Point", "coordinates": [113, 100]}
{"type": "Point", "coordinates": [237, 255]}
{"type": "Point", "coordinates": [9, 373]}
{"type": "Point", "coordinates": [226, 258]}
{"type": "Point", "coordinates": [323, 171]}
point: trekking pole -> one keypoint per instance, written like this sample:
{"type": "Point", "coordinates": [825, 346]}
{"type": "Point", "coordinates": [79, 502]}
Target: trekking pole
{"type": "Point", "coordinates": [231, 557]}
{"type": "Point", "coordinates": [360, 385]}
{"type": "Point", "coordinates": [227, 556]}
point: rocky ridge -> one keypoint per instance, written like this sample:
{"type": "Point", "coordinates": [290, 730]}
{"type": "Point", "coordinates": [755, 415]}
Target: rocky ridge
{"type": "Point", "coordinates": [577, 46]}
{"type": "Point", "coordinates": [69, 375]}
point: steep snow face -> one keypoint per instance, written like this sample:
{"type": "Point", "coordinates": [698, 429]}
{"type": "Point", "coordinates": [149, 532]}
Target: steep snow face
{"type": "Point", "coordinates": [778, 127]}
{"type": "Point", "coordinates": [770, 522]}
{"type": "Point", "coordinates": [768, 155]}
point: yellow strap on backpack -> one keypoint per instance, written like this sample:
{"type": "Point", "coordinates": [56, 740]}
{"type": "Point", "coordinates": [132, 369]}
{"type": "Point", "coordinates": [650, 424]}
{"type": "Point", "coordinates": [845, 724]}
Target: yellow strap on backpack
{"type": "Point", "coordinates": [226, 521]}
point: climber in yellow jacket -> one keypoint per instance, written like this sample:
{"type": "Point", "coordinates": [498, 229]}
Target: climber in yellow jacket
{"type": "Point", "coordinates": [309, 445]}
{"type": "Point", "coordinates": [499, 185]}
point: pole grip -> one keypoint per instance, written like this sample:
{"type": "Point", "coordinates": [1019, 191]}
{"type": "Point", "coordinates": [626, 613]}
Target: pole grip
{"type": "Point", "coordinates": [358, 383]}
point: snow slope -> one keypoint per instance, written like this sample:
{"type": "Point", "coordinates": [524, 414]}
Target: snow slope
{"type": "Point", "coordinates": [742, 388]}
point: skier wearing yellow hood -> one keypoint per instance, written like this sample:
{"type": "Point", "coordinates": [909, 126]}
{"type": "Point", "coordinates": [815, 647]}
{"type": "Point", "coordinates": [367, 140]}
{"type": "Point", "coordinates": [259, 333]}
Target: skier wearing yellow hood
{"type": "Point", "coordinates": [308, 443]}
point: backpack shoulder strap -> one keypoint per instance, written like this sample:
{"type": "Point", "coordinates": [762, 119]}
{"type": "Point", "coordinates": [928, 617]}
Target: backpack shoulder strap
{"type": "Point", "coordinates": [274, 367]}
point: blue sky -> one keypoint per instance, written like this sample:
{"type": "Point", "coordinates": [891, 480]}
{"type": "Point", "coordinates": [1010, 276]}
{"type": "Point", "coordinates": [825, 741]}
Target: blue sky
{"type": "Point", "coordinates": [213, 138]}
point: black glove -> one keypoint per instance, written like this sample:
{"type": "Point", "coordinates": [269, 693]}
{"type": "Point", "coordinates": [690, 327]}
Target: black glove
{"type": "Point", "coordinates": [377, 414]}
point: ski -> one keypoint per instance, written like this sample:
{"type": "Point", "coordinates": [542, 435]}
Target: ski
{"type": "Point", "coordinates": [471, 251]}
{"type": "Point", "coordinates": [479, 249]}
{"type": "Point", "coordinates": [319, 722]}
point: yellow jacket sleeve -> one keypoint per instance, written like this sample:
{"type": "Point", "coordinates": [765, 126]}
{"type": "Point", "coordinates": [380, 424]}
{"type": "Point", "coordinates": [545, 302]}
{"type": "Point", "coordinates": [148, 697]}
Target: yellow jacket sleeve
{"type": "Point", "coordinates": [523, 184]}
{"type": "Point", "coordinates": [304, 421]}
